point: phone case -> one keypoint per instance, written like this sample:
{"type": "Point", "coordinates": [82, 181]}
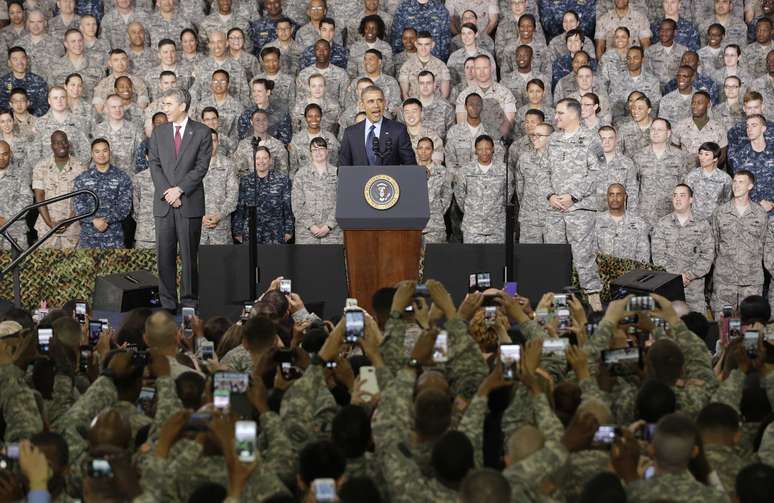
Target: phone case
{"type": "Point", "coordinates": [368, 382]}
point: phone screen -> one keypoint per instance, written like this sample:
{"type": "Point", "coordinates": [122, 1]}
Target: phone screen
{"type": "Point", "coordinates": [604, 435]}
{"type": "Point", "coordinates": [244, 436]}
{"type": "Point", "coordinates": [285, 286]}
{"type": "Point", "coordinates": [510, 288]}
{"type": "Point", "coordinates": [560, 300]}
{"type": "Point", "coordinates": [225, 383]}
{"type": "Point", "coordinates": [354, 325]}
{"type": "Point", "coordinates": [441, 348]}
{"type": "Point", "coordinates": [555, 345]}
{"type": "Point", "coordinates": [44, 338]}
{"type": "Point", "coordinates": [80, 312]}
{"type": "Point", "coordinates": [641, 303]}
{"type": "Point", "coordinates": [510, 355]}
{"type": "Point", "coordinates": [206, 350]}
{"type": "Point", "coordinates": [188, 314]}
{"type": "Point", "coordinates": [12, 450]}
{"type": "Point", "coordinates": [246, 308]}
{"type": "Point", "coordinates": [484, 280]}
{"type": "Point", "coordinates": [95, 328]}
{"type": "Point", "coordinates": [324, 490]}
{"type": "Point", "coordinates": [751, 342]}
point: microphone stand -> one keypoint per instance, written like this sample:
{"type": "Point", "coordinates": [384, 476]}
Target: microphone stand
{"type": "Point", "coordinates": [252, 222]}
{"type": "Point", "coordinates": [509, 225]}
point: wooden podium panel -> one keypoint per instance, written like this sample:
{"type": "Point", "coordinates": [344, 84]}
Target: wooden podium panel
{"type": "Point", "coordinates": [380, 258]}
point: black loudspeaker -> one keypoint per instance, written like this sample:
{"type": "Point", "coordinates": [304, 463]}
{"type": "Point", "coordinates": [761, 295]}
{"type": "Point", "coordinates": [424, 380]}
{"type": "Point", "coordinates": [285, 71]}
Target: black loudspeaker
{"type": "Point", "coordinates": [125, 291]}
{"type": "Point", "coordinates": [641, 282]}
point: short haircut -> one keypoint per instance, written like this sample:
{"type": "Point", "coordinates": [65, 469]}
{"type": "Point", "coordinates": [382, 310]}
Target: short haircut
{"type": "Point", "coordinates": [710, 146]}
{"type": "Point", "coordinates": [167, 73]}
{"type": "Point", "coordinates": [424, 73]}
{"type": "Point", "coordinates": [70, 31]}
{"type": "Point", "coordinates": [604, 486]}
{"type": "Point", "coordinates": [625, 30]}
{"type": "Point", "coordinates": [755, 483]}
{"type": "Point", "coordinates": [484, 137]}
{"type": "Point", "coordinates": [747, 173]}
{"type": "Point", "coordinates": [733, 77]}
{"type": "Point", "coordinates": [259, 332]}
{"type": "Point", "coordinates": [318, 141]}
{"type": "Point", "coordinates": [424, 34]}
{"type": "Point", "coordinates": [536, 82]}
{"type": "Point", "coordinates": [432, 413]}
{"type": "Point", "coordinates": [271, 50]}
{"type": "Point", "coordinates": [221, 71]}
{"type": "Point", "coordinates": [734, 47]}
{"type": "Point", "coordinates": [703, 93]}
{"type": "Point", "coordinates": [485, 485]}
{"type": "Point", "coordinates": [328, 20]}
{"type": "Point", "coordinates": [412, 101]}
{"type": "Point", "coordinates": [654, 400]}
{"type": "Point", "coordinates": [686, 186]}
{"type": "Point", "coordinates": [472, 27]}
{"type": "Point", "coordinates": [210, 110]}
{"type": "Point", "coordinates": [375, 52]}
{"type": "Point", "coordinates": [97, 141]}
{"type": "Point", "coordinates": [166, 41]}
{"type": "Point", "coordinates": [351, 431]}
{"type": "Point", "coordinates": [636, 48]}
{"type": "Point", "coordinates": [674, 441]}
{"type": "Point", "coordinates": [235, 28]}
{"type": "Point", "coordinates": [665, 121]}
{"type": "Point", "coordinates": [180, 95]}
{"type": "Point", "coordinates": [472, 95]}
{"type": "Point", "coordinates": [538, 113]}
{"type": "Point", "coordinates": [718, 418]}
{"type": "Point", "coordinates": [266, 83]}
{"type": "Point", "coordinates": [16, 49]}
{"type": "Point", "coordinates": [427, 140]}
{"type": "Point", "coordinates": [752, 96]}
{"type": "Point", "coordinates": [72, 76]}
{"type": "Point", "coordinates": [527, 17]}
{"type": "Point", "coordinates": [667, 360]}
{"type": "Point", "coordinates": [312, 106]}
{"type": "Point", "coordinates": [571, 104]}
{"type": "Point", "coordinates": [669, 21]}
{"type": "Point", "coordinates": [319, 460]}
{"type": "Point", "coordinates": [452, 456]}
{"type": "Point", "coordinates": [717, 26]}
{"type": "Point", "coordinates": [754, 308]}
{"type": "Point", "coordinates": [607, 128]}
{"type": "Point", "coordinates": [757, 117]}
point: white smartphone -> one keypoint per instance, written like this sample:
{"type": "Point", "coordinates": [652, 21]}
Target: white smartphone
{"type": "Point", "coordinates": [286, 286]}
{"type": "Point", "coordinates": [245, 439]}
{"type": "Point", "coordinates": [368, 382]}
{"type": "Point", "coordinates": [510, 355]}
{"type": "Point", "coordinates": [555, 346]}
{"type": "Point", "coordinates": [188, 314]}
{"type": "Point", "coordinates": [206, 350]}
{"type": "Point", "coordinates": [441, 348]}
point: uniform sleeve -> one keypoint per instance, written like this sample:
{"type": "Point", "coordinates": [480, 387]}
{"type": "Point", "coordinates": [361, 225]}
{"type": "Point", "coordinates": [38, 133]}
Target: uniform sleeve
{"type": "Point", "coordinates": [232, 192]}
{"type": "Point", "coordinates": [658, 246]}
{"type": "Point", "coordinates": [297, 200]}
{"type": "Point", "coordinates": [698, 364]}
{"type": "Point", "coordinates": [391, 421]}
{"type": "Point", "coordinates": [287, 209]}
{"type": "Point", "coordinates": [123, 204]}
{"type": "Point", "coordinates": [730, 390]}
{"type": "Point", "coordinates": [307, 407]}
{"type": "Point", "coordinates": [461, 189]}
{"type": "Point", "coordinates": [643, 244]}
{"type": "Point", "coordinates": [466, 367]}
{"type": "Point", "coordinates": [19, 408]}
{"type": "Point", "coordinates": [83, 203]}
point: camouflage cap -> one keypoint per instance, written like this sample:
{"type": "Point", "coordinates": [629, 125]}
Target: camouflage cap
{"type": "Point", "coordinates": [8, 328]}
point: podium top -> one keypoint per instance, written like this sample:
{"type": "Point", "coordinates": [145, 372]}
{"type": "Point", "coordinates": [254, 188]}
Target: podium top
{"type": "Point", "coordinates": [382, 197]}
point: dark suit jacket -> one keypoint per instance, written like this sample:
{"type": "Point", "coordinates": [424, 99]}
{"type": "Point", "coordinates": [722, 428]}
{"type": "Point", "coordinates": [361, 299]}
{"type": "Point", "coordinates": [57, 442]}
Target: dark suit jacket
{"type": "Point", "coordinates": [392, 134]}
{"type": "Point", "coordinates": [186, 171]}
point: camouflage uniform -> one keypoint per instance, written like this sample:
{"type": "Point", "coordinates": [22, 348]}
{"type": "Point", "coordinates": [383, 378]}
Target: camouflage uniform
{"type": "Point", "coordinates": [701, 82]}
{"type": "Point", "coordinates": [619, 169]}
{"type": "Point", "coordinates": [18, 404]}
{"type": "Point", "coordinates": [274, 212]}
{"type": "Point", "coordinates": [237, 87]}
{"type": "Point", "coordinates": [42, 52]}
{"type": "Point", "coordinates": [426, 132]}
{"type": "Point", "coordinates": [541, 61]}
{"type": "Point", "coordinates": [114, 191]}
{"type": "Point", "coordinates": [460, 149]}
{"type": "Point", "coordinates": [183, 74]}
{"type": "Point", "coordinates": [737, 137]}
{"type": "Point", "coordinates": [80, 146]}
{"type": "Point", "coordinates": [547, 110]}
{"type": "Point", "coordinates": [439, 193]}
{"type": "Point", "coordinates": [681, 487]}
{"type": "Point", "coordinates": [726, 114]}
{"type": "Point", "coordinates": [279, 123]}
{"type": "Point", "coordinates": [114, 27]}
{"type": "Point", "coordinates": [710, 58]}
{"type": "Point", "coordinates": [353, 23]}
{"type": "Point", "coordinates": [741, 245]}
{"type": "Point", "coordinates": [533, 206]}
{"type": "Point", "coordinates": [498, 101]}
{"type": "Point", "coordinates": [761, 164]}
{"type": "Point", "coordinates": [14, 184]}
{"type": "Point", "coordinates": [283, 96]}
{"type": "Point", "coordinates": [89, 72]}
{"type": "Point", "coordinates": [611, 64]}
{"type": "Point", "coordinates": [456, 63]}
{"type": "Point", "coordinates": [245, 159]}
{"type": "Point", "coordinates": [727, 462]}
{"type": "Point", "coordinates": [387, 84]}
{"type": "Point", "coordinates": [106, 87]}
{"type": "Point", "coordinates": [308, 34]}
{"type": "Point", "coordinates": [336, 82]}
{"type": "Point", "coordinates": [658, 176]}
{"type": "Point", "coordinates": [433, 16]}
{"type": "Point", "coordinates": [56, 181]}
{"type": "Point", "coordinates": [314, 203]}
{"type": "Point", "coordinates": [625, 238]}
{"type": "Point", "coordinates": [123, 143]}
{"type": "Point", "coordinates": [481, 195]}
{"type": "Point", "coordinates": [552, 12]}
{"type": "Point", "coordinates": [263, 31]}
{"type": "Point", "coordinates": [289, 57]}
{"type": "Point", "coordinates": [764, 86]}
{"type": "Point", "coordinates": [736, 29]}
{"type": "Point", "coordinates": [516, 83]}
{"type": "Point", "coordinates": [632, 138]}
{"type": "Point", "coordinates": [689, 137]}
{"type": "Point", "coordinates": [634, 20]}
{"type": "Point", "coordinates": [34, 84]}
{"type": "Point", "coordinates": [410, 70]}
{"type": "Point", "coordinates": [141, 62]}
{"type": "Point", "coordinates": [355, 64]}
{"type": "Point", "coordinates": [663, 62]}
{"type": "Point", "coordinates": [675, 107]}
{"type": "Point", "coordinates": [143, 193]}
{"type": "Point", "coordinates": [508, 30]}
{"type": "Point", "coordinates": [159, 28]}
{"type": "Point", "coordinates": [214, 22]}
{"type": "Point", "coordinates": [228, 113]}
{"type": "Point", "coordinates": [573, 169]}
{"type": "Point", "coordinates": [57, 26]}
{"type": "Point", "coordinates": [299, 154]}
{"type": "Point", "coordinates": [249, 64]}
{"type": "Point", "coordinates": [437, 115]}
{"type": "Point", "coordinates": [339, 56]}
{"type": "Point", "coordinates": [710, 190]}
{"type": "Point", "coordinates": [686, 33]}
{"type": "Point", "coordinates": [221, 189]}
{"type": "Point", "coordinates": [621, 85]}
{"type": "Point", "coordinates": [330, 114]}
{"type": "Point", "coordinates": [755, 59]}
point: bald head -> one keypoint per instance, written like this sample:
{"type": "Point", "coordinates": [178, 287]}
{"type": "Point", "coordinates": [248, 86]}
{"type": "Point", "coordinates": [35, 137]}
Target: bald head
{"type": "Point", "coordinates": [5, 155]}
{"type": "Point", "coordinates": [160, 331]}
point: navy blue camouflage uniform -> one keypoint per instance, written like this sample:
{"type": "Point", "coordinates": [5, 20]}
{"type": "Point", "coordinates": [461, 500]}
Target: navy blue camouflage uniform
{"type": "Point", "coordinates": [737, 136]}
{"type": "Point", "coordinates": [262, 31]}
{"type": "Point", "coordinates": [94, 7]}
{"type": "Point", "coordinates": [36, 87]}
{"type": "Point", "coordinates": [141, 156]}
{"type": "Point", "coordinates": [114, 191]}
{"type": "Point", "coordinates": [274, 212]}
{"type": "Point", "coordinates": [760, 164]}
{"type": "Point", "coordinates": [339, 56]}
{"type": "Point", "coordinates": [686, 34]}
{"type": "Point", "coordinates": [433, 17]}
{"type": "Point", "coordinates": [279, 124]}
{"type": "Point", "coordinates": [552, 12]}
{"type": "Point", "coordinates": [702, 82]}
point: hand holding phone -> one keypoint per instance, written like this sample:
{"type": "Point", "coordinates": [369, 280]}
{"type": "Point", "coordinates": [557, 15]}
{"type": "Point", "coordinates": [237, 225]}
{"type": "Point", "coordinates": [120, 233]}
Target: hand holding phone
{"type": "Point", "coordinates": [245, 433]}
{"type": "Point", "coordinates": [354, 325]}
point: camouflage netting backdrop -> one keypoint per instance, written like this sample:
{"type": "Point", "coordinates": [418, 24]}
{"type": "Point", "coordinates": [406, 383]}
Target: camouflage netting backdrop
{"type": "Point", "coordinates": [58, 276]}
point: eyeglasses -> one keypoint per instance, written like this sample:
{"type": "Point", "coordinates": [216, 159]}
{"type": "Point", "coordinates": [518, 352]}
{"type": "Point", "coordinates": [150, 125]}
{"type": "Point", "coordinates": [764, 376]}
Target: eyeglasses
{"type": "Point", "coordinates": [220, 81]}
{"type": "Point", "coordinates": [731, 86]}
{"type": "Point", "coordinates": [316, 9]}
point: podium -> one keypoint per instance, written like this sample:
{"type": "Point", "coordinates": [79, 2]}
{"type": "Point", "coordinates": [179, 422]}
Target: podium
{"type": "Point", "coordinates": [382, 211]}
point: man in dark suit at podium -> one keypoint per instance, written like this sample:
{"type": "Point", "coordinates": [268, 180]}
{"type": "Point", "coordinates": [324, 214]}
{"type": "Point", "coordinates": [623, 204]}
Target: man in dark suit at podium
{"type": "Point", "coordinates": [376, 141]}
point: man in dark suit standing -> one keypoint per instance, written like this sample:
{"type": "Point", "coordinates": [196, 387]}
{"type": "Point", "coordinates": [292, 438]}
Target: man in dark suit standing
{"type": "Point", "coordinates": [375, 141]}
{"type": "Point", "coordinates": [179, 156]}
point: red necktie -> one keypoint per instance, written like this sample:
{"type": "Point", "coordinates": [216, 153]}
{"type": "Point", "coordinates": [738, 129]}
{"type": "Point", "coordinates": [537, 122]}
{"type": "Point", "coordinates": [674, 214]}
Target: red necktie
{"type": "Point", "coordinates": [178, 140]}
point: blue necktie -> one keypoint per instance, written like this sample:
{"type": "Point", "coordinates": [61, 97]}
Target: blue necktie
{"type": "Point", "coordinates": [370, 146]}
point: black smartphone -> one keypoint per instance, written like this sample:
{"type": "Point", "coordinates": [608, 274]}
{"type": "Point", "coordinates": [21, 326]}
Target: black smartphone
{"type": "Point", "coordinates": [95, 328]}
{"type": "Point", "coordinates": [85, 357]}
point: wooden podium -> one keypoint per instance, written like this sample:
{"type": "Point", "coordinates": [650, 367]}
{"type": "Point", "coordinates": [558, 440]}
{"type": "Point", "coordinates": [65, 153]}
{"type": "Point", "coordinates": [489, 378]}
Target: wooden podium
{"type": "Point", "coordinates": [382, 210]}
